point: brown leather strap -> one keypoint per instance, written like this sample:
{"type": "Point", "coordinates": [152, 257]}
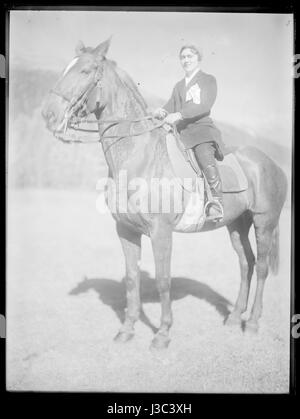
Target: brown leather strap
{"type": "Point", "coordinates": [193, 162]}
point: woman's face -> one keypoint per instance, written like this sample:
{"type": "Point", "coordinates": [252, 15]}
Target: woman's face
{"type": "Point", "coordinates": [189, 60]}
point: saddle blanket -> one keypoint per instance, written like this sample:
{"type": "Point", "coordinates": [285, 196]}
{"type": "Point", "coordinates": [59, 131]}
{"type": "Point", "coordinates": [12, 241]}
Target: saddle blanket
{"type": "Point", "coordinates": [233, 181]}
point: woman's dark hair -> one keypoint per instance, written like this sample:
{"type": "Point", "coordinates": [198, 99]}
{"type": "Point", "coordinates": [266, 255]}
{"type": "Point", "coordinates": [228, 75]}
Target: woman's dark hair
{"type": "Point", "coordinates": [193, 49]}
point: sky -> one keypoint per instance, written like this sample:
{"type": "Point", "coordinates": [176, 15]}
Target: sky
{"type": "Point", "coordinates": [249, 54]}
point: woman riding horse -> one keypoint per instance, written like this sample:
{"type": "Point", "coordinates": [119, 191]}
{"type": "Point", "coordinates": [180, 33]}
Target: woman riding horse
{"type": "Point", "coordinates": [94, 84]}
{"type": "Point", "coordinates": [189, 108]}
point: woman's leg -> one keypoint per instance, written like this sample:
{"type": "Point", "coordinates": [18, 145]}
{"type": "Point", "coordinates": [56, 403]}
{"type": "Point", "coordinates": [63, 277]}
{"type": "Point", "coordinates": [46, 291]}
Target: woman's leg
{"type": "Point", "coordinates": [205, 156]}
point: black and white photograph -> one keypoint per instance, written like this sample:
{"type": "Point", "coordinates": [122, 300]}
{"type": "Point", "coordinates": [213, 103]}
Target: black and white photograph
{"type": "Point", "coordinates": [149, 210]}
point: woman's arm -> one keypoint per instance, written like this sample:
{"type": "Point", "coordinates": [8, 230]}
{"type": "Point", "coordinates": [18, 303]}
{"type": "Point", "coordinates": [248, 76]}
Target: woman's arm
{"type": "Point", "coordinates": [170, 105]}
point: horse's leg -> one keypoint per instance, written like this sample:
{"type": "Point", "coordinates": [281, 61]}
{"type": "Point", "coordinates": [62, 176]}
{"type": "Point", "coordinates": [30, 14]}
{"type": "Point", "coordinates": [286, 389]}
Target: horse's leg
{"type": "Point", "coordinates": [264, 234]}
{"type": "Point", "coordinates": [131, 244]}
{"type": "Point", "coordinates": [161, 239]}
{"type": "Point", "coordinates": [239, 231]}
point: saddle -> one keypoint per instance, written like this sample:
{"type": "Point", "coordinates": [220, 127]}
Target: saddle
{"type": "Point", "coordinates": [197, 191]}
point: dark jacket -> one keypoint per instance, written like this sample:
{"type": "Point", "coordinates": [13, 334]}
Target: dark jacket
{"type": "Point", "coordinates": [196, 127]}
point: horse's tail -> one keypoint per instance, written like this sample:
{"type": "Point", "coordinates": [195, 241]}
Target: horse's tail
{"type": "Point", "coordinates": [274, 252]}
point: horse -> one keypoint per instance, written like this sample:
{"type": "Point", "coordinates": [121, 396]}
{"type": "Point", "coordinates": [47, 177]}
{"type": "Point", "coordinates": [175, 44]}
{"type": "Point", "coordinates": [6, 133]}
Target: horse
{"type": "Point", "coordinates": [94, 85]}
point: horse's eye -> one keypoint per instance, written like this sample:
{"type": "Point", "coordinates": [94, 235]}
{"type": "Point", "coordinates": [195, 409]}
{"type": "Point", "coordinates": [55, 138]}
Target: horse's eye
{"type": "Point", "coordinates": [85, 71]}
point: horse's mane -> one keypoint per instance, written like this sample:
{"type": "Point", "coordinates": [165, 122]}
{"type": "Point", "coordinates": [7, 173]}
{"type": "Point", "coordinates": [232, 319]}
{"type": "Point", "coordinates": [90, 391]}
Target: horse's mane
{"type": "Point", "coordinates": [129, 83]}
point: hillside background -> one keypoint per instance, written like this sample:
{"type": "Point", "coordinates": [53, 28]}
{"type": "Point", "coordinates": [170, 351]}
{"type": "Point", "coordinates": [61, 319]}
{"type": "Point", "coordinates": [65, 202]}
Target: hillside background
{"type": "Point", "coordinates": [37, 159]}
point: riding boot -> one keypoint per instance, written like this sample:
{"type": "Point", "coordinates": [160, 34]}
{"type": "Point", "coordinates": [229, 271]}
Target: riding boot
{"type": "Point", "coordinates": [213, 178]}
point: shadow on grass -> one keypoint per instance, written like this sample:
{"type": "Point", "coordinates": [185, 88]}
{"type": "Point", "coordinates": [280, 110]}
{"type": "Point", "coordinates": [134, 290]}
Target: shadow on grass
{"type": "Point", "coordinates": [113, 294]}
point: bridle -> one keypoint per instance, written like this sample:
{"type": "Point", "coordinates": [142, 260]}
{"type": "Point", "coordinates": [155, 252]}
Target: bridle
{"type": "Point", "coordinates": [77, 109]}
{"type": "Point", "coordinates": [77, 106]}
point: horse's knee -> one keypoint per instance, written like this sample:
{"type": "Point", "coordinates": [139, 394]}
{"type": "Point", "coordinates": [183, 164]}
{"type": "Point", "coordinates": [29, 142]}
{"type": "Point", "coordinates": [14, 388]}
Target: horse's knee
{"type": "Point", "coordinates": [262, 269]}
{"type": "Point", "coordinates": [244, 264]}
{"type": "Point", "coordinates": [167, 319]}
{"type": "Point", "coordinates": [163, 284]}
{"type": "Point", "coordinates": [131, 280]}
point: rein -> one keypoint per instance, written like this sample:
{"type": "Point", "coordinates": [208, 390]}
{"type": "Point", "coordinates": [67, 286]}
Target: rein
{"type": "Point", "coordinates": [63, 137]}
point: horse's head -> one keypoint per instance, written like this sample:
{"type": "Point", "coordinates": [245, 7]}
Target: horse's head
{"type": "Point", "coordinates": [78, 90]}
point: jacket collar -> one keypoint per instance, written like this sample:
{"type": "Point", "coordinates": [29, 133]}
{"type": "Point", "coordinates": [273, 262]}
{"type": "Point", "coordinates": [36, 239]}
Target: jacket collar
{"type": "Point", "coordinates": [183, 87]}
{"type": "Point", "coordinates": [188, 80]}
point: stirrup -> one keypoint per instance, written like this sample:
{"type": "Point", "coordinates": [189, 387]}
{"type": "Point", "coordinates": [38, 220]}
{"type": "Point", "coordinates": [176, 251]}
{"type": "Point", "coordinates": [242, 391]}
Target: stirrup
{"type": "Point", "coordinates": [217, 217]}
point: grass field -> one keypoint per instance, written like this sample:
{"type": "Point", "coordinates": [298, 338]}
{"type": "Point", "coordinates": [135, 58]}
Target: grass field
{"type": "Point", "coordinates": [65, 302]}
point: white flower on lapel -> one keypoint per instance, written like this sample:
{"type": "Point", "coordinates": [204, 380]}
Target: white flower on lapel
{"type": "Point", "coordinates": [194, 94]}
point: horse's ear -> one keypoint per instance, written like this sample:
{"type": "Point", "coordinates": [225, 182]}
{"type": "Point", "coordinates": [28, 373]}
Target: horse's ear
{"type": "Point", "coordinates": [101, 49]}
{"type": "Point", "coordinates": [80, 48]}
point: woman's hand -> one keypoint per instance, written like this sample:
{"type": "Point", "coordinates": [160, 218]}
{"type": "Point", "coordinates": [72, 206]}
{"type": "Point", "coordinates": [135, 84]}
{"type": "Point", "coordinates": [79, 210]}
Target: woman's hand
{"type": "Point", "coordinates": [172, 118]}
{"type": "Point", "coordinates": [160, 113]}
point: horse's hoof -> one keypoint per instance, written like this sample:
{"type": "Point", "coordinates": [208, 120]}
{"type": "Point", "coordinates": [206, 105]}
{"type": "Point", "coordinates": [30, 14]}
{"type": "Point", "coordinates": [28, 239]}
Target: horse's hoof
{"type": "Point", "coordinates": [160, 342]}
{"type": "Point", "coordinates": [123, 337]}
{"type": "Point", "coordinates": [251, 327]}
{"type": "Point", "coordinates": [233, 320]}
